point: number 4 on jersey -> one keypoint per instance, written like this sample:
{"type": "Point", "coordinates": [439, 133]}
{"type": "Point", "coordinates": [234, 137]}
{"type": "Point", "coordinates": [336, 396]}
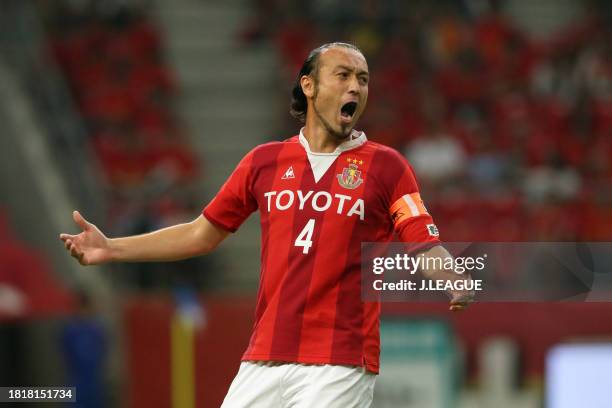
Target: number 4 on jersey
{"type": "Point", "coordinates": [304, 238]}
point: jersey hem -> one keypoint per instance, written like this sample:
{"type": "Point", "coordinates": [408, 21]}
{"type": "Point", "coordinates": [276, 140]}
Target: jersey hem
{"type": "Point", "coordinates": [342, 360]}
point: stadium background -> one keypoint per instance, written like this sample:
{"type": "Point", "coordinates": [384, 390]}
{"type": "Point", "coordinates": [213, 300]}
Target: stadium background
{"type": "Point", "coordinates": [135, 112]}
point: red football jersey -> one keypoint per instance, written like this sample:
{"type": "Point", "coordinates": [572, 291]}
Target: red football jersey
{"type": "Point", "coordinates": [309, 307]}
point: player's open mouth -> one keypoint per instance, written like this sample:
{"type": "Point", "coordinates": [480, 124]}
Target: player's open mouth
{"type": "Point", "coordinates": [347, 111]}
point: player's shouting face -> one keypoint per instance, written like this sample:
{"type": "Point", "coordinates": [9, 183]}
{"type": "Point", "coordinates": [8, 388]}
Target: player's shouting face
{"type": "Point", "coordinates": [337, 90]}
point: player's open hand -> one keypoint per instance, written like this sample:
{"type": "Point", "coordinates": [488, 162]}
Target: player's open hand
{"type": "Point", "coordinates": [90, 247]}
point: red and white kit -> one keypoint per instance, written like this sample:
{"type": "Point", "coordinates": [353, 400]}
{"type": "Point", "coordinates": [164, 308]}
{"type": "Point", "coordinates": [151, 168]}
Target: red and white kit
{"type": "Point", "coordinates": [316, 209]}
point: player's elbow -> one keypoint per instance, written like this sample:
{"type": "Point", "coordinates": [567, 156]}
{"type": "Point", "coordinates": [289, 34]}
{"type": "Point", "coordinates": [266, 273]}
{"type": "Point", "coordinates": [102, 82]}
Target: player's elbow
{"type": "Point", "coordinates": [205, 237]}
{"type": "Point", "coordinates": [202, 244]}
{"type": "Point", "coordinates": [206, 247]}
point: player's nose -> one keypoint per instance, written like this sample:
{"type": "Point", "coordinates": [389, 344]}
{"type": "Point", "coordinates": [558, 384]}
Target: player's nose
{"type": "Point", "coordinates": [353, 86]}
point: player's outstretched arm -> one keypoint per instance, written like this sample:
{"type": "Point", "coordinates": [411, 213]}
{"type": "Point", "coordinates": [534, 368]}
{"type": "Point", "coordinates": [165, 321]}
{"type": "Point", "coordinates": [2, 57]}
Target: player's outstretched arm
{"type": "Point", "coordinates": [460, 299]}
{"type": "Point", "coordinates": [92, 247]}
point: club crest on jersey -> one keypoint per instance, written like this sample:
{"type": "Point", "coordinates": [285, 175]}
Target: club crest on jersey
{"type": "Point", "coordinates": [350, 177]}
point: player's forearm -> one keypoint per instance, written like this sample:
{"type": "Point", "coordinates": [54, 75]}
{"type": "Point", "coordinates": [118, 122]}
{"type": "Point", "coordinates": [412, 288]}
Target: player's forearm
{"type": "Point", "coordinates": [168, 244]}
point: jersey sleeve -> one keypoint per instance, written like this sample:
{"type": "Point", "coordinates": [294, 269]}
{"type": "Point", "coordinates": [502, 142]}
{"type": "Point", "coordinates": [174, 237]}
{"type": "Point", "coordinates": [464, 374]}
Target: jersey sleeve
{"type": "Point", "coordinates": [235, 200]}
{"type": "Point", "coordinates": [411, 221]}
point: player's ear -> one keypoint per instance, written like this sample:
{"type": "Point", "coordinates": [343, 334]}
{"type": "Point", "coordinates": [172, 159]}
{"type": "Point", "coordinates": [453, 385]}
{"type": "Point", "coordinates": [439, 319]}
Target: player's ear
{"type": "Point", "coordinates": [308, 85]}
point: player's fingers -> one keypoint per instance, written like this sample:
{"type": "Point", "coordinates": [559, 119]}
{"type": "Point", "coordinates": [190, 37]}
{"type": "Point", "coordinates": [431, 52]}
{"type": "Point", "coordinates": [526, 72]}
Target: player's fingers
{"type": "Point", "coordinates": [67, 244]}
{"type": "Point", "coordinates": [78, 257]}
{"type": "Point", "coordinates": [64, 237]}
{"type": "Point", "coordinates": [80, 221]}
{"type": "Point", "coordinates": [457, 307]}
{"type": "Point", "coordinates": [74, 251]}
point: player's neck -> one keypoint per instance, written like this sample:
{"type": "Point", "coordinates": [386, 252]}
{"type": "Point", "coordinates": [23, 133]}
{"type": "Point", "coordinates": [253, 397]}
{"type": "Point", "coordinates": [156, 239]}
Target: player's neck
{"type": "Point", "coordinates": [320, 140]}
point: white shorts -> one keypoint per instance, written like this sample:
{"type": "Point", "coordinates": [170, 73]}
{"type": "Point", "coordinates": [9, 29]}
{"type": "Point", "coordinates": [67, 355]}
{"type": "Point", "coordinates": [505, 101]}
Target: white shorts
{"type": "Point", "coordinates": [291, 385]}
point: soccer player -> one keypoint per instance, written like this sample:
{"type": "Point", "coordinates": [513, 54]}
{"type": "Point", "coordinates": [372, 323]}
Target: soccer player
{"type": "Point", "coordinates": [319, 194]}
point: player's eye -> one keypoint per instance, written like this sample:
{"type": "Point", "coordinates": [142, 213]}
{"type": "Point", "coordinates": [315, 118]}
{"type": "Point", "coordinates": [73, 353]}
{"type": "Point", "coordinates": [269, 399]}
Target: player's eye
{"type": "Point", "coordinates": [343, 75]}
{"type": "Point", "coordinates": [364, 80]}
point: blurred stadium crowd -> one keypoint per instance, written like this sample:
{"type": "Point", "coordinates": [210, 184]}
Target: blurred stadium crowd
{"type": "Point", "coordinates": [510, 135]}
{"type": "Point", "coordinates": [125, 92]}
{"type": "Point", "coordinates": [112, 57]}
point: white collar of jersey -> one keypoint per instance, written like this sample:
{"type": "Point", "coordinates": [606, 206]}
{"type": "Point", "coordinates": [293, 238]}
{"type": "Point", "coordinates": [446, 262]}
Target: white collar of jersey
{"type": "Point", "coordinates": [356, 139]}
